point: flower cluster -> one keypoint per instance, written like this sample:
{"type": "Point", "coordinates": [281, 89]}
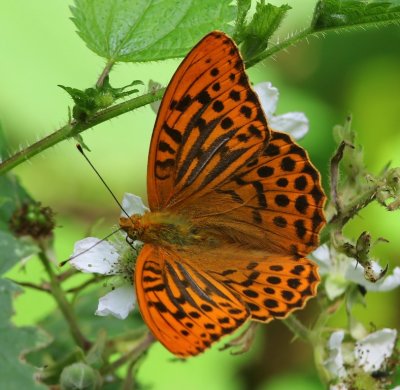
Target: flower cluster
{"type": "Point", "coordinates": [357, 364]}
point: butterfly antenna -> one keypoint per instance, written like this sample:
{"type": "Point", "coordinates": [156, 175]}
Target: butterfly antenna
{"type": "Point", "coordinates": [90, 248]}
{"type": "Point", "coordinates": [79, 147]}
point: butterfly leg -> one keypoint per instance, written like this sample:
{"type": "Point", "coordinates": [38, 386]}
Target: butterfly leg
{"type": "Point", "coordinates": [243, 342]}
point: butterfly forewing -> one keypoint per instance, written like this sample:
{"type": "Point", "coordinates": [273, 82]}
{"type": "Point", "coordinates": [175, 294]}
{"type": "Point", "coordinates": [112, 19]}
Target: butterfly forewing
{"type": "Point", "coordinates": [275, 202]}
{"type": "Point", "coordinates": [209, 125]}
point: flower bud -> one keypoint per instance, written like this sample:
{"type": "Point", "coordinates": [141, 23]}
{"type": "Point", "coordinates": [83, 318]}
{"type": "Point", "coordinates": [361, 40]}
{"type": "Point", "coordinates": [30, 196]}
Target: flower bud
{"type": "Point", "coordinates": [79, 376]}
{"type": "Point", "coordinates": [32, 220]}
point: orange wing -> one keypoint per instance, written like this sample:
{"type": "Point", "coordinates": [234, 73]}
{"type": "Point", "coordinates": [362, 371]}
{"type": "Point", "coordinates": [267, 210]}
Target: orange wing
{"type": "Point", "coordinates": [188, 304]}
{"type": "Point", "coordinates": [184, 307]}
{"type": "Point", "coordinates": [209, 125]}
{"type": "Point", "coordinates": [214, 160]}
{"type": "Point", "coordinates": [270, 287]}
{"type": "Point", "coordinates": [274, 203]}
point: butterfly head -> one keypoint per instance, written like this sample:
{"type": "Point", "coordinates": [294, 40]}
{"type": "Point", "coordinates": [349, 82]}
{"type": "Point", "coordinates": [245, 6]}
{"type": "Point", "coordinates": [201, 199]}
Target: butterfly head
{"type": "Point", "coordinates": [132, 226]}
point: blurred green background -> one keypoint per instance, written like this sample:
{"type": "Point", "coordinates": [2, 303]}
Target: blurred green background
{"type": "Point", "coordinates": [353, 72]}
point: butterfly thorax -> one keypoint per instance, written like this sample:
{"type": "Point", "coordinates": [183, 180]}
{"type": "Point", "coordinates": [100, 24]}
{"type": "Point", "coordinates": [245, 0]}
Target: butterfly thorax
{"type": "Point", "coordinates": [162, 228]}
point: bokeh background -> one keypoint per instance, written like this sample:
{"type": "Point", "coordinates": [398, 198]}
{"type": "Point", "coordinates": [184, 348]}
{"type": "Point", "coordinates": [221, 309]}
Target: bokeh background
{"type": "Point", "coordinates": [355, 72]}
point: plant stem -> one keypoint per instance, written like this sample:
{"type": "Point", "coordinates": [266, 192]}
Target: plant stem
{"type": "Point", "coordinates": [33, 286]}
{"type": "Point", "coordinates": [82, 286]}
{"type": "Point", "coordinates": [74, 128]}
{"type": "Point", "coordinates": [106, 71]}
{"type": "Point", "coordinates": [348, 212]}
{"type": "Point", "coordinates": [279, 46]}
{"type": "Point", "coordinates": [64, 305]}
{"type": "Point", "coordinates": [297, 327]}
{"type": "Point", "coordinates": [134, 354]}
{"type": "Point", "coordinates": [318, 341]}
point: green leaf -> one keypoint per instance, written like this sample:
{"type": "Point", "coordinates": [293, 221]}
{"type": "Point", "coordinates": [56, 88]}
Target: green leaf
{"type": "Point", "coordinates": [12, 196]}
{"type": "Point", "coordinates": [14, 343]}
{"type": "Point", "coordinates": [265, 22]}
{"type": "Point", "coordinates": [89, 101]}
{"type": "Point", "coordinates": [334, 14]}
{"type": "Point", "coordinates": [13, 250]}
{"type": "Point", "coordinates": [148, 30]}
{"type": "Point", "coordinates": [243, 7]}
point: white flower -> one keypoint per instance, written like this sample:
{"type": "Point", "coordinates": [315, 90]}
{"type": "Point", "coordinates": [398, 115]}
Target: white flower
{"type": "Point", "coordinates": [340, 271]}
{"type": "Point", "coordinates": [92, 255]}
{"type": "Point", "coordinates": [368, 354]}
{"type": "Point", "coordinates": [118, 303]}
{"type": "Point", "coordinates": [335, 362]}
{"type": "Point", "coordinates": [133, 204]}
{"type": "Point", "coordinates": [374, 349]}
{"type": "Point", "coordinates": [294, 123]}
{"type": "Point", "coordinates": [95, 256]}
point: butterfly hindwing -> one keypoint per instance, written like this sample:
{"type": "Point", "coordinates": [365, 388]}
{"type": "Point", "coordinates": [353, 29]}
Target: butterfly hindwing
{"type": "Point", "coordinates": [209, 124]}
{"type": "Point", "coordinates": [185, 308]}
{"type": "Point", "coordinates": [271, 287]}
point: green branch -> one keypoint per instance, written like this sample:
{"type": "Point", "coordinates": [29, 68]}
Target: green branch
{"type": "Point", "coordinates": [295, 38]}
{"type": "Point", "coordinates": [297, 328]}
{"type": "Point", "coordinates": [74, 128]}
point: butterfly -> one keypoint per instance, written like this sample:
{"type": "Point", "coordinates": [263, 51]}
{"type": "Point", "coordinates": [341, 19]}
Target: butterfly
{"type": "Point", "coordinates": [235, 208]}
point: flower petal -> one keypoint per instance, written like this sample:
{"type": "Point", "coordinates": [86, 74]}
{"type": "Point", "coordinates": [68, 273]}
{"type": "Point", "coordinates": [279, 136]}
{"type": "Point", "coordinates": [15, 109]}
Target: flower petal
{"type": "Point", "coordinates": [323, 258]}
{"type": "Point", "coordinates": [268, 96]}
{"type": "Point", "coordinates": [335, 285]}
{"type": "Point", "coordinates": [372, 351]}
{"type": "Point", "coordinates": [335, 362]}
{"type": "Point", "coordinates": [100, 259]}
{"type": "Point", "coordinates": [133, 204]}
{"type": "Point", "coordinates": [294, 123]}
{"type": "Point", "coordinates": [118, 303]}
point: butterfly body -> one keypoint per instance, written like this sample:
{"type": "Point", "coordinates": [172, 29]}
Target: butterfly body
{"type": "Point", "coordinates": [162, 228]}
{"type": "Point", "coordinates": [235, 208]}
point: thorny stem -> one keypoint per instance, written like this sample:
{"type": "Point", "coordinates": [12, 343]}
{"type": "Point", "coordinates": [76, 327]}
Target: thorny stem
{"type": "Point", "coordinates": [279, 46]}
{"type": "Point", "coordinates": [63, 304]}
{"type": "Point", "coordinates": [134, 354]}
{"type": "Point", "coordinates": [74, 128]}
